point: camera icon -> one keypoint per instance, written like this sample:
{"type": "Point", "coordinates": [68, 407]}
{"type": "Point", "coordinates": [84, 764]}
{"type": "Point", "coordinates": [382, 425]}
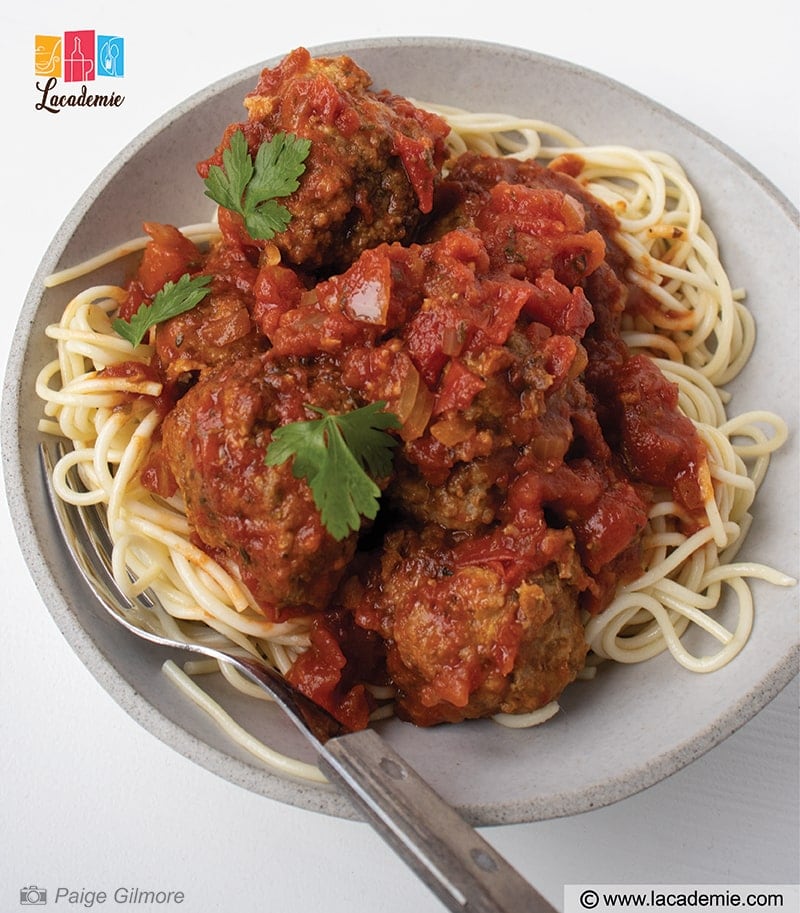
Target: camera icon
{"type": "Point", "coordinates": [32, 896]}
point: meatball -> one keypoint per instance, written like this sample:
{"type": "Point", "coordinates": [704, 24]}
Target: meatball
{"type": "Point", "coordinates": [468, 498]}
{"type": "Point", "coordinates": [219, 328]}
{"type": "Point", "coordinates": [463, 641]}
{"type": "Point", "coordinates": [477, 187]}
{"type": "Point", "coordinates": [257, 520]}
{"type": "Point", "coordinates": [372, 165]}
{"type": "Point", "coordinates": [457, 474]}
{"type": "Point", "coordinates": [217, 331]}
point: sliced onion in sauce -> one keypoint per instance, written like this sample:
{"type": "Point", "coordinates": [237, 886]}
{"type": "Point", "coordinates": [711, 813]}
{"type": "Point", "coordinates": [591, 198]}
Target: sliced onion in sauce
{"type": "Point", "coordinates": [419, 416]}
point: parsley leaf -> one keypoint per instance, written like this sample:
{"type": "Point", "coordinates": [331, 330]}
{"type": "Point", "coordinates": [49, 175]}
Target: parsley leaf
{"type": "Point", "coordinates": [226, 185]}
{"type": "Point", "coordinates": [173, 299]}
{"type": "Point", "coordinates": [253, 188]}
{"type": "Point", "coordinates": [334, 454]}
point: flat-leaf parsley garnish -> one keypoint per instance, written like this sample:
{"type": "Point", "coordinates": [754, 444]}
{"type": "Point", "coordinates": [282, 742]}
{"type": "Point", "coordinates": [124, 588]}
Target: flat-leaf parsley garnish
{"type": "Point", "coordinates": [252, 188]}
{"type": "Point", "coordinates": [336, 455]}
{"type": "Point", "coordinates": [173, 299]}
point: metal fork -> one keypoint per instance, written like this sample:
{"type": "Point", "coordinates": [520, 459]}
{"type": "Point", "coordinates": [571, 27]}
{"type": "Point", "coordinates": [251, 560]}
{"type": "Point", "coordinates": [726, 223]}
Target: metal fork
{"type": "Point", "coordinates": [465, 872]}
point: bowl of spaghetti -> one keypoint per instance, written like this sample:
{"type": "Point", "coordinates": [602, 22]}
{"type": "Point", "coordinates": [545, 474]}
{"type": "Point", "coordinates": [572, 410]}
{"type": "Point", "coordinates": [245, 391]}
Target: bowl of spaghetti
{"type": "Point", "coordinates": [548, 342]}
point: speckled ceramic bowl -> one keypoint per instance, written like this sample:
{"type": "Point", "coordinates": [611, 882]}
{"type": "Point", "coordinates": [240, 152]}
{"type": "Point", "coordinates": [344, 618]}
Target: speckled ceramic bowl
{"type": "Point", "coordinates": [630, 727]}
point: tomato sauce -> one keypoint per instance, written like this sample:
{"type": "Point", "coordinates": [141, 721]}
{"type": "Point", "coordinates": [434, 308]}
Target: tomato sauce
{"type": "Point", "coordinates": [483, 308]}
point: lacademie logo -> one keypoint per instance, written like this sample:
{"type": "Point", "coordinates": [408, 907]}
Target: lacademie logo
{"type": "Point", "coordinates": [77, 57]}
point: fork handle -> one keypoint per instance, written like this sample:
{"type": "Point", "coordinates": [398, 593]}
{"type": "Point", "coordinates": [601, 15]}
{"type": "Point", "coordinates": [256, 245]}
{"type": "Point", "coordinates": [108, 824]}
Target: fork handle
{"type": "Point", "coordinates": [457, 864]}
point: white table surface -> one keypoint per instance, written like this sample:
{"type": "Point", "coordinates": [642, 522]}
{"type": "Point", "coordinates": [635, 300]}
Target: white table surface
{"type": "Point", "coordinates": [91, 800]}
